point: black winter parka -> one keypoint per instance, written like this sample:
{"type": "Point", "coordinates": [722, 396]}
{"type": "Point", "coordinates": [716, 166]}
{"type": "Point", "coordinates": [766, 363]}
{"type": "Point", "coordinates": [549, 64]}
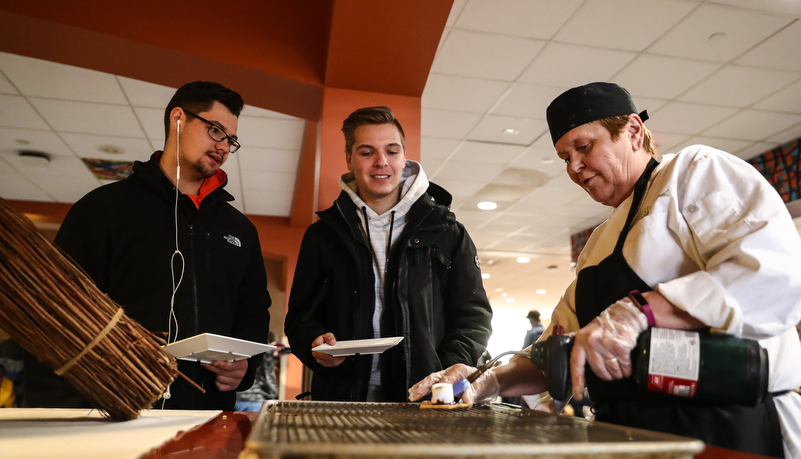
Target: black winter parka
{"type": "Point", "coordinates": [123, 235]}
{"type": "Point", "coordinates": [434, 298]}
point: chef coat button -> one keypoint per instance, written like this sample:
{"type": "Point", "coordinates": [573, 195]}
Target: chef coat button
{"type": "Point", "coordinates": [417, 241]}
{"type": "Point", "coordinates": [692, 208]}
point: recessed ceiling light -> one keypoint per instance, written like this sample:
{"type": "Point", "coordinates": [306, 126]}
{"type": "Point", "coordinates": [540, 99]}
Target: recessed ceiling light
{"type": "Point", "coordinates": [34, 158]}
{"type": "Point", "coordinates": [511, 131]}
{"type": "Point", "coordinates": [541, 291]}
{"type": "Point", "coordinates": [523, 259]}
{"type": "Point", "coordinates": [498, 289]}
{"type": "Point", "coordinates": [504, 294]}
{"type": "Point", "coordinates": [485, 275]}
{"type": "Point", "coordinates": [547, 160]}
{"type": "Point", "coordinates": [487, 205]}
{"type": "Point", "coordinates": [510, 300]}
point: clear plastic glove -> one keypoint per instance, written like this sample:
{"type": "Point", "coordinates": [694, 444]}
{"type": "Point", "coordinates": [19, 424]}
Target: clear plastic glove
{"type": "Point", "coordinates": [483, 390]}
{"type": "Point", "coordinates": [606, 344]}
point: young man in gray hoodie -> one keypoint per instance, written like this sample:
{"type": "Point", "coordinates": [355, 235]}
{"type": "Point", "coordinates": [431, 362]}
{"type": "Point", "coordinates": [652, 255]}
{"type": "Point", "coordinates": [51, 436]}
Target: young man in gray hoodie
{"type": "Point", "coordinates": [387, 259]}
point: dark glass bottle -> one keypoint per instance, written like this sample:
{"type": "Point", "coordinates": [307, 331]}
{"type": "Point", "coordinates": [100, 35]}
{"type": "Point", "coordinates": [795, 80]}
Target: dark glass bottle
{"type": "Point", "coordinates": [702, 365]}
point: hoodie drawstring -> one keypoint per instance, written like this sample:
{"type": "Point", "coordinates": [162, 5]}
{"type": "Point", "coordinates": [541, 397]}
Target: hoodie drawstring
{"type": "Point", "coordinates": [389, 237]}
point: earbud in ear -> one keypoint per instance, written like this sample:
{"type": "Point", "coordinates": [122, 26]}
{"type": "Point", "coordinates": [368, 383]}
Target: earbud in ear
{"type": "Point", "coordinates": [178, 123]}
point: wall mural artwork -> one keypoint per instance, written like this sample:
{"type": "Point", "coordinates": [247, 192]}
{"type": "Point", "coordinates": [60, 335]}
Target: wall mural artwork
{"type": "Point", "coordinates": [780, 166]}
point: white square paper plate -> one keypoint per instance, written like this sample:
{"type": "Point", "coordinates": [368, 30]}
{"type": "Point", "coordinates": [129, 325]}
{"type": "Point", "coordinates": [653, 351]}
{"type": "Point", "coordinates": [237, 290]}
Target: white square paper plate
{"type": "Point", "coordinates": [359, 346]}
{"type": "Point", "coordinates": [208, 347]}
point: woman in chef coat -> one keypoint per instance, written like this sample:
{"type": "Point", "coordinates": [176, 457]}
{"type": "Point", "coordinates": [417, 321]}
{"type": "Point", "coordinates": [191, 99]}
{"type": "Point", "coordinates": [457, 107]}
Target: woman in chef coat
{"type": "Point", "coordinates": [704, 239]}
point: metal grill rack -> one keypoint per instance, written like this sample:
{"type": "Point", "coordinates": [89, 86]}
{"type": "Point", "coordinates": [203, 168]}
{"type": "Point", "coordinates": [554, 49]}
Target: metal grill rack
{"type": "Point", "coordinates": [287, 429]}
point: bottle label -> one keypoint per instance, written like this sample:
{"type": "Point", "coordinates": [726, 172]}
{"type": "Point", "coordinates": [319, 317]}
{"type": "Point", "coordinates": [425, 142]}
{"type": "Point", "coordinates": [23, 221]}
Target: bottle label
{"type": "Point", "coordinates": [674, 361]}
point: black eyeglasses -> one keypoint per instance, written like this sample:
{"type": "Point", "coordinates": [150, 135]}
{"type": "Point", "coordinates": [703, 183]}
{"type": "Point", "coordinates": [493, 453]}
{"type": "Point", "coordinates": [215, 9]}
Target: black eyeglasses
{"type": "Point", "coordinates": [217, 133]}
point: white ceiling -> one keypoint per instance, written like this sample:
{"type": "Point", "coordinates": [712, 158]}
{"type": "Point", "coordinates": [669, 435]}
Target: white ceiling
{"type": "Point", "coordinates": [724, 72]}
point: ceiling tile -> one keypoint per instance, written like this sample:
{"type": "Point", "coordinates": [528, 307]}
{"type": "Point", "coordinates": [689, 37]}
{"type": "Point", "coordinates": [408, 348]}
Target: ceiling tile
{"type": "Point", "coordinates": [753, 125]}
{"type": "Point", "coordinates": [269, 159]}
{"type": "Point", "coordinates": [778, 6]}
{"type": "Point", "coordinates": [277, 203]}
{"type": "Point", "coordinates": [481, 55]}
{"type": "Point", "coordinates": [435, 148]}
{"type": "Point", "coordinates": [525, 18]}
{"type": "Point", "coordinates": [599, 22]}
{"type": "Point", "coordinates": [666, 142]}
{"type": "Point", "coordinates": [526, 101]}
{"type": "Point", "coordinates": [564, 66]}
{"type": "Point", "coordinates": [152, 121]}
{"type": "Point", "coordinates": [787, 135]}
{"type": "Point", "coordinates": [463, 170]}
{"type": "Point", "coordinates": [144, 94]}
{"type": "Point", "coordinates": [684, 118]}
{"type": "Point", "coordinates": [755, 149]}
{"type": "Point", "coordinates": [738, 86]}
{"type": "Point", "coordinates": [6, 87]}
{"type": "Point", "coordinates": [727, 145]}
{"type": "Point", "coordinates": [431, 166]}
{"type": "Point", "coordinates": [786, 100]}
{"type": "Point", "coordinates": [456, 11]}
{"type": "Point", "coordinates": [718, 33]}
{"type": "Point", "coordinates": [89, 118]}
{"type": "Point", "coordinates": [267, 181]}
{"type": "Point", "coordinates": [644, 76]}
{"type": "Point", "coordinates": [34, 78]}
{"type": "Point", "coordinates": [13, 185]}
{"type": "Point", "coordinates": [491, 129]}
{"type": "Point", "coordinates": [482, 152]}
{"type": "Point", "coordinates": [447, 124]}
{"type": "Point", "coordinates": [66, 188]}
{"type": "Point", "coordinates": [13, 140]}
{"type": "Point", "coordinates": [780, 51]}
{"type": "Point", "coordinates": [540, 159]}
{"type": "Point", "coordinates": [58, 166]}
{"type": "Point", "coordinates": [271, 133]}
{"type": "Point", "coordinates": [461, 94]}
{"type": "Point", "coordinates": [88, 146]}
{"type": "Point", "coordinates": [458, 187]}
{"type": "Point", "coordinates": [15, 111]}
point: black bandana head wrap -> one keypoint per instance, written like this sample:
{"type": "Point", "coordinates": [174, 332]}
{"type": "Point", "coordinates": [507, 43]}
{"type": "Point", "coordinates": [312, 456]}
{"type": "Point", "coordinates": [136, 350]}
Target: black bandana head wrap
{"type": "Point", "coordinates": [588, 103]}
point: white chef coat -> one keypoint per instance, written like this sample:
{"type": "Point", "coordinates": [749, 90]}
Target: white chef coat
{"type": "Point", "coordinates": [714, 237]}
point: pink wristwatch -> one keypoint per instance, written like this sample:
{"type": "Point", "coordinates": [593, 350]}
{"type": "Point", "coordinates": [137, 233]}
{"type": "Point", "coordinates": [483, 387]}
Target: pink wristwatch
{"type": "Point", "coordinates": [636, 297]}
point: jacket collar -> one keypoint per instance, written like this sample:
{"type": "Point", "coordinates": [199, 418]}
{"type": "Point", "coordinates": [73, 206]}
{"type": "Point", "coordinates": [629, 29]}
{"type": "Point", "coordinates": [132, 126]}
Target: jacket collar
{"type": "Point", "coordinates": [153, 177]}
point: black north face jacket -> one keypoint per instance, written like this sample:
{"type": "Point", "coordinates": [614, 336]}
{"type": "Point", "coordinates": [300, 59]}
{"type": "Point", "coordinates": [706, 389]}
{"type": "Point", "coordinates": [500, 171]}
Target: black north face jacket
{"type": "Point", "coordinates": [433, 292]}
{"type": "Point", "coordinates": [123, 236]}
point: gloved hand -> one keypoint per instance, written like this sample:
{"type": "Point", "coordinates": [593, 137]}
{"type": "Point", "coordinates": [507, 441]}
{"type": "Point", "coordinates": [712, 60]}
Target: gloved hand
{"type": "Point", "coordinates": [482, 390]}
{"type": "Point", "coordinates": [606, 343]}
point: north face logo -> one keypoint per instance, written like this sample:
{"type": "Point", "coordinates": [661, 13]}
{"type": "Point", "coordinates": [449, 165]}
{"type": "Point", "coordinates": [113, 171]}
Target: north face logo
{"type": "Point", "coordinates": [233, 240]}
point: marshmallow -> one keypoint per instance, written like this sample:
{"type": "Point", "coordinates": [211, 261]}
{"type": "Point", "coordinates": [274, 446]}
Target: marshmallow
{"type": "Point", "coordinates": [442, 394]}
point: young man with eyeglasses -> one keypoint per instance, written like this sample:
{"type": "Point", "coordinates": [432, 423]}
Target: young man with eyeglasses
{"type": "Point", "coordinates": [167, 246]}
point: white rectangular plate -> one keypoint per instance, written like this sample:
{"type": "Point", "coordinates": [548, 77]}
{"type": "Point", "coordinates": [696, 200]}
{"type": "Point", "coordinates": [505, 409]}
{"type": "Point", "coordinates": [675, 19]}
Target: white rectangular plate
{"type": "Point", "coordinates": [208, 347]}
{"type": "Point", "coordinates": [359, 346]}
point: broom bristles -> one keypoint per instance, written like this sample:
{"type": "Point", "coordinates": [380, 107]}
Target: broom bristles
{"type": "Point", "coordinates": [53, 309]}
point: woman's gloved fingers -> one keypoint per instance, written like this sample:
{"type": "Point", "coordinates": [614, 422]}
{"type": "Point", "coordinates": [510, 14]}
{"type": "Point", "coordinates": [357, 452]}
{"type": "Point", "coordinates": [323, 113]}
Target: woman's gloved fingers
{"type": "Point", "coordinates": [483, 390]}
{"type": "Point", "coordinates": [606, 343]}
{"type": "Point", "coordinates": [450, 375]}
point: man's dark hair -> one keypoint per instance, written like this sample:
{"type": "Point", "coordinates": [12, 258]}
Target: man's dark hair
{"type": "Point", "coordinates": [369, 115]}
{"type": "Point", "coordinates": [199, 96]}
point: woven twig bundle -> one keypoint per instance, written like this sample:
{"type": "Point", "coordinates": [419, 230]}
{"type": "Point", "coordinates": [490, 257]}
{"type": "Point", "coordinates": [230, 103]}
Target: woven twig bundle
{"type": "Point", "coordinates": [54, 310]}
